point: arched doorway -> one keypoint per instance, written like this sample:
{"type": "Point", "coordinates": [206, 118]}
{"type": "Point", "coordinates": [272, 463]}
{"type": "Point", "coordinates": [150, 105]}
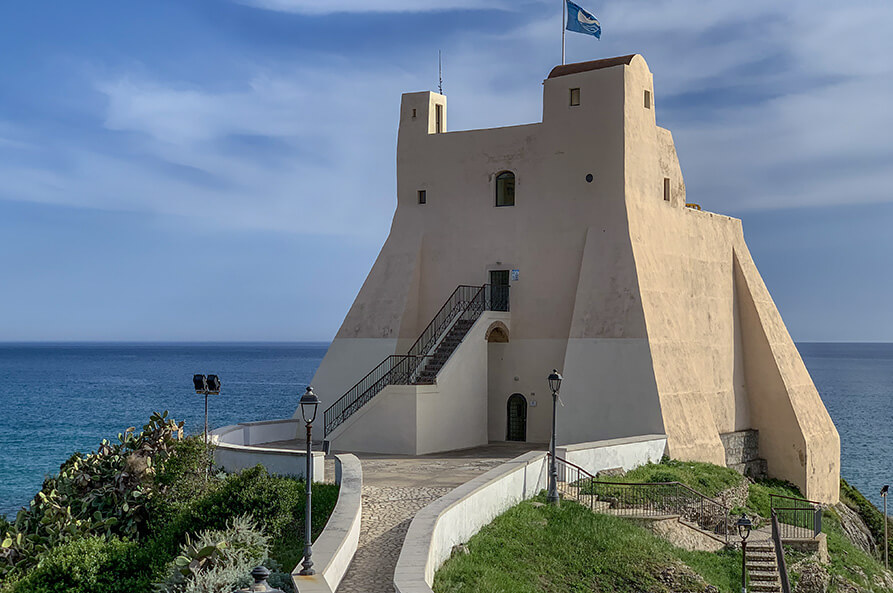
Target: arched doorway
{"type": "Point", "coordinates": [516, 422]}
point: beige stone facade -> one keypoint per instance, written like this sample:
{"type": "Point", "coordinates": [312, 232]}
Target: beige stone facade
{"type": "Point", "coordinates": [654, 311]}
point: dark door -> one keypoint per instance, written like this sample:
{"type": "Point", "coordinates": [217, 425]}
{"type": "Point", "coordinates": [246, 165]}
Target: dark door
{"type": "Point", "coordinates": [516, 425]}
{"type": "Point", "coordinates": [499, 290]}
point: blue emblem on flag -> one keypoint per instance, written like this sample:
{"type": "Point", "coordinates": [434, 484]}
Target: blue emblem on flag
{"type": "Point", "coordinates": [580, 21]}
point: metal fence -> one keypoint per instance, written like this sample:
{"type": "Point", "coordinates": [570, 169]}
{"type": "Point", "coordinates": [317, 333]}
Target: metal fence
{"type": "Point", "coordinates": [466, 303]}
{"type": "Point", "coordinates": [655, 499]}
{"type": "Point", "coordinates": [798, 518]}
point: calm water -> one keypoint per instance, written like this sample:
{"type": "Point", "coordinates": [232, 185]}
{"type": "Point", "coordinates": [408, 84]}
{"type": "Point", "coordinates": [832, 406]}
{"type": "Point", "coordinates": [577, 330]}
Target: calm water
{"type": "Point", "coordinates": [56, 399]}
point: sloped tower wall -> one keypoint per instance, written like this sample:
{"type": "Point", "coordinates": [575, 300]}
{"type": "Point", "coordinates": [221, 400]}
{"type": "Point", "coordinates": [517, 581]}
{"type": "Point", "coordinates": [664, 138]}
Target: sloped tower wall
{"type": "Point", "coordinates": [655, 312]}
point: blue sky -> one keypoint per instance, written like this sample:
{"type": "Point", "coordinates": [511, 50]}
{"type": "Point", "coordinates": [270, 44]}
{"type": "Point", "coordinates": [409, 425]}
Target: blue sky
{"type": "Point", "coordinates": [218, 170]}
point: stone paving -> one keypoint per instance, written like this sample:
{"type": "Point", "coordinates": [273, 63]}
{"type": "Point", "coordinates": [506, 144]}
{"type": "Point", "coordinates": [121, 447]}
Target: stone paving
{"type": "Point", "coordinates": [387, 513]}
{"type": "Point", "coordinates": [395, 488]}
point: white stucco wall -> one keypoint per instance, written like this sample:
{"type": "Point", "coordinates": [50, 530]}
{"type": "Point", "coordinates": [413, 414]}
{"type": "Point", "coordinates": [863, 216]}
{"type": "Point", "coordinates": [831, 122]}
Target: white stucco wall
{"type": "Point", "coordinates": [236, 449]}
{"type": "Point", "coordinates": [627, 453]}
{"type": "Point", "coordinates": [336, 546]}
{"type": "Point", "coordinates": [454, 518]}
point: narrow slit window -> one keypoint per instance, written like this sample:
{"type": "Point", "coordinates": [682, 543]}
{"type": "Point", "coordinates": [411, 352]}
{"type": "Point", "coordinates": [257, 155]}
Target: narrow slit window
{"type": "Point", "coordinates": [423, 196]}
{"type": "Point", "coordinates": [647, 99]}
{"type": "Point", "coordinates": [575, 97]}
{"type": "Point", "coordinates": [438, 118]}
{"type": "Point", "coordinates": [413, 114]}
{"type": "Point", "coordinates": [505, 189]}
{"type": "Point", "coordinates": [666, 189]}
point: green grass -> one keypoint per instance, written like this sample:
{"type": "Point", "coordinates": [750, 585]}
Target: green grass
{"type": "Point", "coordinates": [706, 478]}
{"type": "Point", "coordinates": [848, 561]}
{"type": "Point", "coordinates": [539, 549]}
{"type": "Point", "coordinates": [758, 495]}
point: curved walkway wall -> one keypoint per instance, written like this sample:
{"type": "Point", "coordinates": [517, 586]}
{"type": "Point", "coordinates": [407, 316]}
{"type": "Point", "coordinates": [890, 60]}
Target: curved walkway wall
{"type": "Point", "coordinates": [454, 518]}
{"type": "Point", "coordinates": [236, 449]}
{"type": "Point", "coordinates": [335, 547]}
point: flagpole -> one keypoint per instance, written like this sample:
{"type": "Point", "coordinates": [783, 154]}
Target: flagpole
{"type": "Point", "coordinates": [563, 27]}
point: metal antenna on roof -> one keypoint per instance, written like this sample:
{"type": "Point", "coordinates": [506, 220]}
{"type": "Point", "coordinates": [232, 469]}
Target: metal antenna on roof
{"type": "Point", "coordinates": [439, 73]}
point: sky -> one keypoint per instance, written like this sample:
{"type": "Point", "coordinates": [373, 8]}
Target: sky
{"type": "Point", "coordinates": [219, 170]}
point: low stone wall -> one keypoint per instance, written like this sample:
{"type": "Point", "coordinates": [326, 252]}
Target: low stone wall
{"type": "Point", "coordinates": [234, 450]}
{"type": "Point", "coordinates": [454, 518]}
{"type": "Point", "coordinates": [626, 453]}
{"type": "Point", "coordinates": [743, 453]}
{"type": "Point", "coordinates": [335, 547]}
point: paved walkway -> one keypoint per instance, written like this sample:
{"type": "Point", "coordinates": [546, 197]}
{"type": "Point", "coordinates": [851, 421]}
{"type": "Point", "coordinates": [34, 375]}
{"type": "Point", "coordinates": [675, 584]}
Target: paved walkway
{"type": "Point", "coordinates": [395, 488]}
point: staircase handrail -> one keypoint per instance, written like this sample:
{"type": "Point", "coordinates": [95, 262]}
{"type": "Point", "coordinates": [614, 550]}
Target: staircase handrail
{"type": "Point", "coordinates": [360, 398]}
{"type": "Point", "coordinates": [661, 491]}
{"type": "Point", "coordinates": [779, 554]}
{"type": "Point", "coordinates": [445, 323]}
{"type": "Point", "coordinates": [806, 516]}
{"type": "Point", "coordinates": [358, 395]}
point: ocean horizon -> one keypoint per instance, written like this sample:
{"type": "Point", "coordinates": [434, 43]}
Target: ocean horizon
{"type": "Point", "coordinates": [64, 396]}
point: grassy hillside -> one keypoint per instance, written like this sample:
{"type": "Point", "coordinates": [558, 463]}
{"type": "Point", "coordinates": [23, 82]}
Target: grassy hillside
{"type": "Point", "coordinates": [535, 548]}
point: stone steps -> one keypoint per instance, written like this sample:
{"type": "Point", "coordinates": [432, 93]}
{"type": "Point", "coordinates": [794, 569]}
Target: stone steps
{"type": "Point", "coordinates": [449, 344]}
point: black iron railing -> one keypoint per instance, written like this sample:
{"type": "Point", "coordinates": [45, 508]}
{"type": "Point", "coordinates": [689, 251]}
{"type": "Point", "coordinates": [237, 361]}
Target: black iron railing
{"type": "Point", "coordinates": [798, 518]}
{"type": "Point", "coordinates": [654, 499]}
{"type": "Point", "coordinates": [455, 305]}
{"type": "Point", "coordinates": [779, 555]}
{"type": "Point", "coordinates": [466, 303]}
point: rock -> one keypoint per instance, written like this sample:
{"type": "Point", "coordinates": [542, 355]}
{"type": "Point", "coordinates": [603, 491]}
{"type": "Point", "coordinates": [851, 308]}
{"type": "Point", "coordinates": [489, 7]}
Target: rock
{"type": "Point", "coordinates": [679, 578]}
{"type": "Point", "coordinates": [537, 505]}
{"type": "Point", "coordinates": [736, 496]}
{"type": "Point", "coordinates": [459, 549]}
{"type": "Point", "coordinates": [814, 577]}
{"type": "Point", "coordinates": [612, 472]}
{"type": "Point", "coordinates": [855, 529]}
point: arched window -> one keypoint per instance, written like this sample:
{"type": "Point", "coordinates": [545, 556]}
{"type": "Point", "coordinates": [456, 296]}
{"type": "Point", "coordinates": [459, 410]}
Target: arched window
{"type": "Point", "coordinates": [505, 189]}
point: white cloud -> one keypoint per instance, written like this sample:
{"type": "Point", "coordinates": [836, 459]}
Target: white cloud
{"type": "Point", "coordinates": [317, 7]}
{"type": "Point", "coordinates": [186, 149]}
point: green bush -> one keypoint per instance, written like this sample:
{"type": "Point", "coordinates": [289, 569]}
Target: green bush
{"type": "Point", "coordinates": [104, 493]}
{"type": "Point", "coordinates": [276, 503]}
{"type": "Point", "coordinates": [87, 565]}
{"type": "Point", "coordinates": [121, 514]}
{"type": "Point", "coordinates": [218, 560]}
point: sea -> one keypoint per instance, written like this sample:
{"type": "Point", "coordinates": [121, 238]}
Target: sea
{"type": "Point", "coordinates": [56, 399]}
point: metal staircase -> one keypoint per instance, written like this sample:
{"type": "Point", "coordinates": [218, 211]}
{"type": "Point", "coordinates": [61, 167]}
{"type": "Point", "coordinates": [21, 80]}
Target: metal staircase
{"type": "Point", "coordinates": [429, 353]}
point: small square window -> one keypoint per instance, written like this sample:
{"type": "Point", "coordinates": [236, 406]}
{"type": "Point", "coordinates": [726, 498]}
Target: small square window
{"type": "Point", "coordinates": [575, 97]}
{"type": "Point", "coordinates": [423, 196]}
{"type": "Point", "coordinates": [666, 189]}
{"type": "Point", "coordinates": [647, 99]}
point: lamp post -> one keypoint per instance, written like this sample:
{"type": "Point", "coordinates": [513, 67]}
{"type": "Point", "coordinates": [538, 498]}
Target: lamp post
{"type": "Point", "coordinates": [554, 385]}
{"type": "Point", "coordinates": [886, 539]}
{"type": "Point", "coordinates": [309, 404]}
{"type": "Point", "coordinates": [744, 526]}
{"type": "Point", "coordinates": [206, 385]}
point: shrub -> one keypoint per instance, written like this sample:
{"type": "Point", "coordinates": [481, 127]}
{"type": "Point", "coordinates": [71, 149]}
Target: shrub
{"type": "Point", "coordinates": [275, 502]}
{"type": "Point", "coordinates": [87, 565]}
{"type": "Point", "coordinates": [104, 493]}
{"type": "Point", "coordinates": [218, 561]}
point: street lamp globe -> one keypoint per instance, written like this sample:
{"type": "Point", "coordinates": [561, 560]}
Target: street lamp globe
{"type": "Point", "coordinates": [555, 381]}
{"type": "Point", "coordinates": [744, 525]}
{"type": "Point", "coordinates": [309, 404]}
